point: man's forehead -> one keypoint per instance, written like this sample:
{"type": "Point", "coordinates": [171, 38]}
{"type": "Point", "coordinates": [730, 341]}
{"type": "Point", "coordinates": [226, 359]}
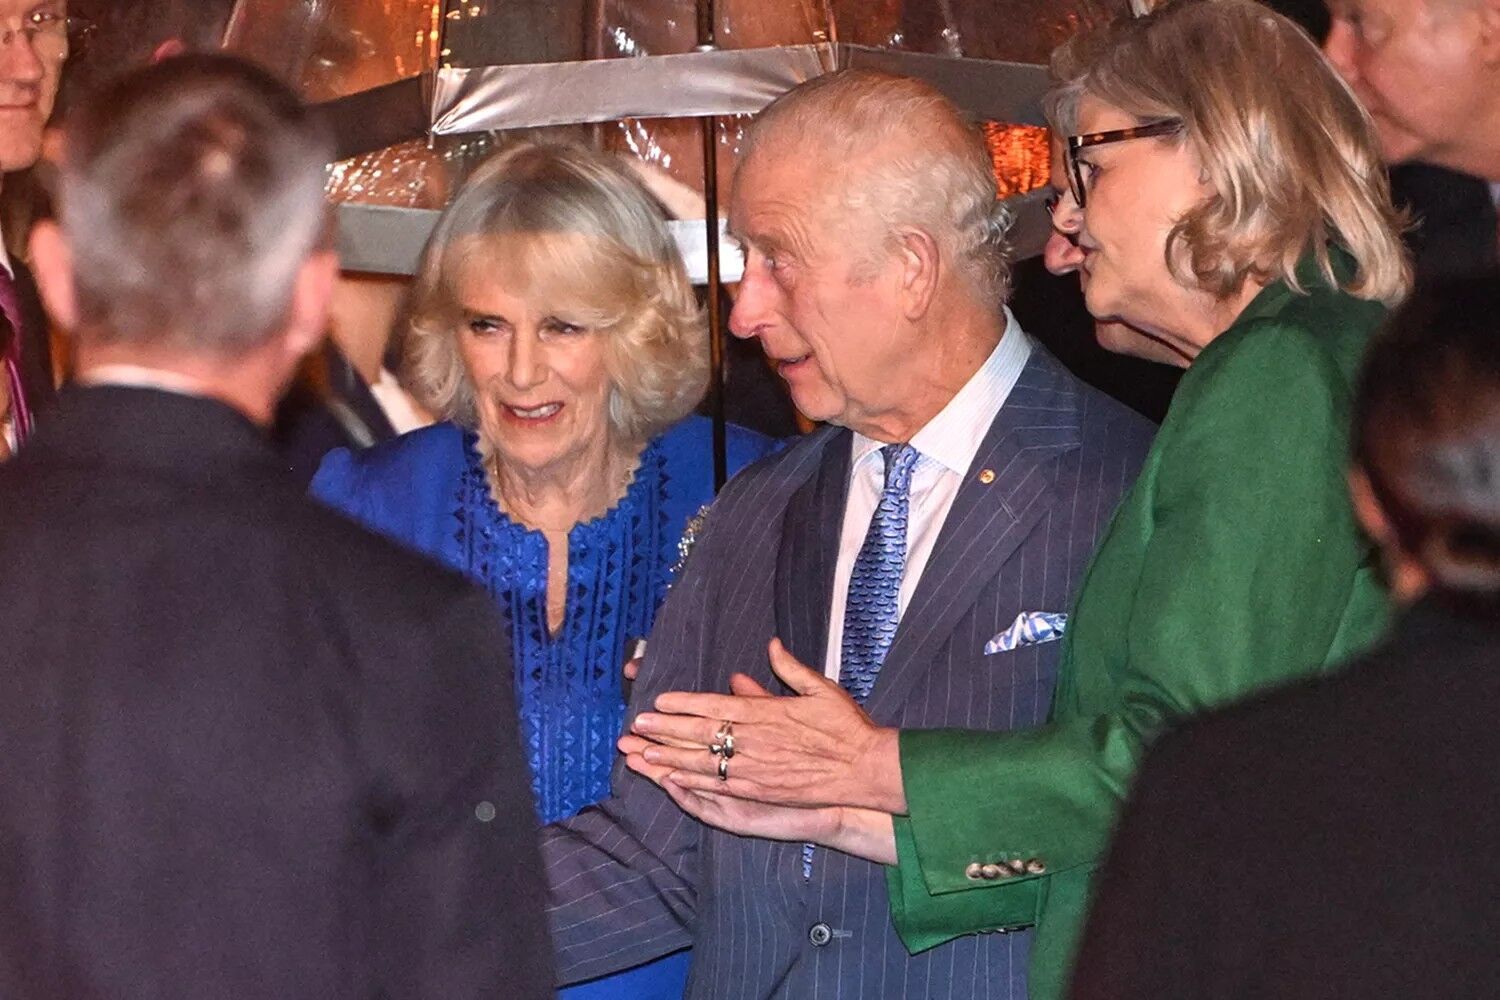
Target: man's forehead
{"type": "Point", "coordinates": [771, 179]}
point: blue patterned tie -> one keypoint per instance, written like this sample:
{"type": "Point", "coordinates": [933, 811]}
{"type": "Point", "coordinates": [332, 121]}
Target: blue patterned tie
{"type": "Point", "coordinates": [872, 611]}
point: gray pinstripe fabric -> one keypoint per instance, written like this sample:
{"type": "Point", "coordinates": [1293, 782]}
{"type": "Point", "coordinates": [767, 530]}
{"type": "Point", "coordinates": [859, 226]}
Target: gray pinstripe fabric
{"type": "Point", "coordinates": [634, 878]}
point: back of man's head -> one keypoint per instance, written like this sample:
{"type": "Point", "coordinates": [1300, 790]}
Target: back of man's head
{"type": "Point", "coordinates": [191, 196]}
{"type": "Point", "coordinates": [903, 155]}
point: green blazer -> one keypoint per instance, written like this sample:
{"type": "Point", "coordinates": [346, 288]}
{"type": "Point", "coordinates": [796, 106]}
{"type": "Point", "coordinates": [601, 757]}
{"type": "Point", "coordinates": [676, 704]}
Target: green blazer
{"type": "Point", "coordinates": [1233, 564]}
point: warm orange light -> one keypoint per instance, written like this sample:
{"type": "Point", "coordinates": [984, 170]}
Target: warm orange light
{"type": "Point", "coordinates": [1022, 155]}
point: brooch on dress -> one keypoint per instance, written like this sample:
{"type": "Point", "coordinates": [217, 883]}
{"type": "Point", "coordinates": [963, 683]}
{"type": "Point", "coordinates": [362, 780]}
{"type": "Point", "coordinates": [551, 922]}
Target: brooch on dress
{"type": "Point", "coordinates": [690, 538]}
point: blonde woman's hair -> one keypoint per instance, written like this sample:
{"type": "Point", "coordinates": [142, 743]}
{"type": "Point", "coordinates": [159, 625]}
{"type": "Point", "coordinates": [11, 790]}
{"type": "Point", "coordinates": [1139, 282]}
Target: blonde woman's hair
{"type": "Point", "coordinates": [575, 229]}
{"type": "Point", "coordinates": [1289, 151]}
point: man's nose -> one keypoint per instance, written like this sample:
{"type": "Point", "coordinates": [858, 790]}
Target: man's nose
{"type": "Point", "coordinates": [1061, 254]}
{"type": "Point", "coordinates": [19, 62]}
{"type": "Point", "coordinates": [1339, 48]}
{"type": "Point", "coordinates": [752, 303]}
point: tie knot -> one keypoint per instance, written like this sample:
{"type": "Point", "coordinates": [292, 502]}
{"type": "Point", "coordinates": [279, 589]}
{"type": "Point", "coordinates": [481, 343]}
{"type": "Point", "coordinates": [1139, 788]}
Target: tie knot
{"type": "Point", "coordinates": [900, 459]}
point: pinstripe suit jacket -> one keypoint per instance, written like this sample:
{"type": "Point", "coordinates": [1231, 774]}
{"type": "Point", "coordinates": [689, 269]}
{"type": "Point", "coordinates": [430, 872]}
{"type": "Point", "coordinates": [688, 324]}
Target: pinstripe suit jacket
{"type": "Point", "coordinates": [633, 877]}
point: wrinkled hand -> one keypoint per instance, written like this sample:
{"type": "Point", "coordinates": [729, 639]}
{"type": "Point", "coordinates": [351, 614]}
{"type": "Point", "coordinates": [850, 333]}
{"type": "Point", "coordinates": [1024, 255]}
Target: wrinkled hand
{"type": "Point", "coordinates": [816, 748]}
{"type": "Point", "coordinates": [862, 832]}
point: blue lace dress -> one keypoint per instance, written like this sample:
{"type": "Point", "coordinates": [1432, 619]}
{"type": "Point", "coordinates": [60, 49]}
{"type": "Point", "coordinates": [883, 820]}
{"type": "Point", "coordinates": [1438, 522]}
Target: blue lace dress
{"type": "Point", "coordinates": [428, 490]}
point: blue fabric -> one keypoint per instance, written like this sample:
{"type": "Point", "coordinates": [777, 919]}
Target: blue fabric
{"type": "Point", "coordinates": [873, 608]}
{"type": "Point", "coordinates": [428, 490]}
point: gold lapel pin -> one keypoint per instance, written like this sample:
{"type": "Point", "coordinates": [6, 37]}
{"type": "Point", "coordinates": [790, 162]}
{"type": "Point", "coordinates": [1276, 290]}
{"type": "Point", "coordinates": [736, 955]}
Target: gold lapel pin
{"type": "Point", "coordinates": [987, 476]}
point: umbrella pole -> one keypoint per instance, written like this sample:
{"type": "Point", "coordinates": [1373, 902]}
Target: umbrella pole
{"type": "Point", "coordinates": [709, 125]}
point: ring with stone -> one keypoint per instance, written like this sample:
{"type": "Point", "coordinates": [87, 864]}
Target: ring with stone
{"type": "Point", "coordinates": [724, 768]}
{"type": "Point", "coordinates": [723, 744]}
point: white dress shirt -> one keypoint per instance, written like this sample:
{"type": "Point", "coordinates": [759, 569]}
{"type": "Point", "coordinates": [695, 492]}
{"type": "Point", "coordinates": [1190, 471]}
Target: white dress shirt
{"type": "Point", "coordinates": [947, 445]}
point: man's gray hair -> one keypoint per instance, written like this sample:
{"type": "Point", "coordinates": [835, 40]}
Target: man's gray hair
{"type": "Point", "coordinates": [910, 159]}
{"type": "Point", "coordinates": [191, 195]}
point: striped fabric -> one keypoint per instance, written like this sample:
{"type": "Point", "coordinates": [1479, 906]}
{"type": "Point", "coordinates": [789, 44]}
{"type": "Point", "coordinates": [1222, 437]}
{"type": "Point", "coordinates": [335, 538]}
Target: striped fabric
{"type": "Point", "coordinates": [634, 878]}
{"type": "Point", "coordinates": [12, 338]}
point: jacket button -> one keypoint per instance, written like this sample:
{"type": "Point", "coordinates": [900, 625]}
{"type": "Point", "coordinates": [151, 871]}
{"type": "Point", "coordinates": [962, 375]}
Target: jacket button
{"type": "Point", "coordinates": [992, 872]}
{"type": "Point", "coordinates": [974, 872]}
{"type": "Point", "coordinates": [820, 934]}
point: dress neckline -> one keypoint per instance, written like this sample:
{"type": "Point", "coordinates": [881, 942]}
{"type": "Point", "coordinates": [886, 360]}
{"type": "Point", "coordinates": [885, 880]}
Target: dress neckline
{"type": "Point", "coordinates": [632, 498]}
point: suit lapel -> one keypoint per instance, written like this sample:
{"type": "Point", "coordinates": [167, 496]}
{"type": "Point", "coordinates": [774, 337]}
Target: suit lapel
{"type": "Point", "coordinates": [808, 552]}
{"type": "Point", "coordinates": [988, 521]}
{"type": "Point", "coordinates": [36, 343]}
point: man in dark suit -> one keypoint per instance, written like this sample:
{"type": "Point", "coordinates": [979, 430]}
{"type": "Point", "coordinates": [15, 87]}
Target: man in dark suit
{"type": "Point", "coordinates": [1336, 839]}
{"type": "Point", "coordinates": [30, 69]}
{"type": "Point", "coordinates": [26, 383]}
{"type": "Point", "coordinates": [1426, 72]}
{"type": "Point", "coordinates": [248, 749]}
{"type": "Point", "coordinates": [921, 548]}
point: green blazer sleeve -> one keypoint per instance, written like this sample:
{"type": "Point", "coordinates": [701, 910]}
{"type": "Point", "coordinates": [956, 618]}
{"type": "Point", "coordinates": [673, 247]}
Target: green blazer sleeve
{"type": "Point", "coordinates": [1234, 564]}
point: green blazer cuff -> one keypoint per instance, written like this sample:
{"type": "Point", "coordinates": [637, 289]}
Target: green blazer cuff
{"type": "Point", "coordinates": [958, 833]}
{"type": "Point", "coordinates": [925, 920]}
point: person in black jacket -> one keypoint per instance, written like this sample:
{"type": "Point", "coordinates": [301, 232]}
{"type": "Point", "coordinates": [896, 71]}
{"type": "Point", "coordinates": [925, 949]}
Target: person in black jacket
{"type": "Point", "coordinates": [1427, 73]}
{"type": "Point", "coordinates": [1336, 839]}
{"type": "Point", "coordinates": [247, 749]}
{"type": "Point", "coordinates": [31, 63]}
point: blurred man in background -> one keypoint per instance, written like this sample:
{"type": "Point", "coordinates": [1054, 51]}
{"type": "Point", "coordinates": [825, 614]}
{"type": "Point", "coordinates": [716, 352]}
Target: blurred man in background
{"type": "Point", "coordinates": [233, 764]}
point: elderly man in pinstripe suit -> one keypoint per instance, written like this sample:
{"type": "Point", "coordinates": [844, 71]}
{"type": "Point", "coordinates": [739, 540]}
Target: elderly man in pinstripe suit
{"type": "Point", "coordinates": [919, 547]}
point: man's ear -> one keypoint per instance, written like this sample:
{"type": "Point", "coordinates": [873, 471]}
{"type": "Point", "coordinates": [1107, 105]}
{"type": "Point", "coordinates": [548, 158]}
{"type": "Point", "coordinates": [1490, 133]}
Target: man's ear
{"type": "Point", "coordinates": [312, 295]}
{"type": "Point", "coordinates": [1407, 578]}
{"type": "Point", "coordinates": [920, 260]}
{"type": "Point", "coordinates": [1488, 14]}
{"type": "Point", "coordinates": [52, 265]}
{"type": "Point", "coordinates": [1367, 509]}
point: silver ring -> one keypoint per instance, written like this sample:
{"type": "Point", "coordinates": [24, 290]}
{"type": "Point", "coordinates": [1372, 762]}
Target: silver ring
{"type": "Point", "coordinates": [724, 768]}
{"type": "Point", "coordinates": [723, 744]}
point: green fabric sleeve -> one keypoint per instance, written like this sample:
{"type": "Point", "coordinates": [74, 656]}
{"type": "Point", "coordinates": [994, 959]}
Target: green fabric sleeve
{"type": "Point", "coordinates": [1251, 562]}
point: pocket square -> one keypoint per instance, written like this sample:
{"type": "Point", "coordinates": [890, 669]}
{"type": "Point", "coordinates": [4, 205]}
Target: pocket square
{"type": "Point", "coordinates": [1029, 629]}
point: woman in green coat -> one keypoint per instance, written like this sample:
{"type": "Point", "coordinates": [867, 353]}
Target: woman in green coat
{"type": "Point", "coordinates": [1228, 200]}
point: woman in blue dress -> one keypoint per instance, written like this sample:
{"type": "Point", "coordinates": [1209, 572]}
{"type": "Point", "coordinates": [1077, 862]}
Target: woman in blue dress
{"type": "Point", "coordinates": [553, 327]}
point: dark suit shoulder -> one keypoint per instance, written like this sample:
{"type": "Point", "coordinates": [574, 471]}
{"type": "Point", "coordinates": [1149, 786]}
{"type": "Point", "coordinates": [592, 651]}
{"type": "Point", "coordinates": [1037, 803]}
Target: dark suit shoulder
{"type": "Point", "coordinates": [1103, 418]}
{"type": "Point", "coordinates": [1412, 700]}
{"type": "Point", "coordinates": [1109, 434]}
{"type": "Point", "coordinates": [384, 570]}
{"type": "Point", "coordinates": [1048, 382]}
{"type": "Point", "coordinates": [794, 462]}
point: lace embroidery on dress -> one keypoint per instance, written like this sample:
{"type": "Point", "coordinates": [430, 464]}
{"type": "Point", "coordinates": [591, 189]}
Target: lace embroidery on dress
{"type": "Point", "coordinates": [568, 685]}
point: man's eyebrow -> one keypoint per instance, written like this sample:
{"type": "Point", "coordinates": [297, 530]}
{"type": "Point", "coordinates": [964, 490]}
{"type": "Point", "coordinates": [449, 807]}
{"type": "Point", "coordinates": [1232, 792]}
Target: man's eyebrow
{"type": "Point", "coordinates": [764, 240]}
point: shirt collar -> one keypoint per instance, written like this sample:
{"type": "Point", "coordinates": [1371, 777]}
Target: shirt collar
{"type": "Point", "coordinates": [952, 438]}
{"type": "Point", "coordinates": [141, 377]}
